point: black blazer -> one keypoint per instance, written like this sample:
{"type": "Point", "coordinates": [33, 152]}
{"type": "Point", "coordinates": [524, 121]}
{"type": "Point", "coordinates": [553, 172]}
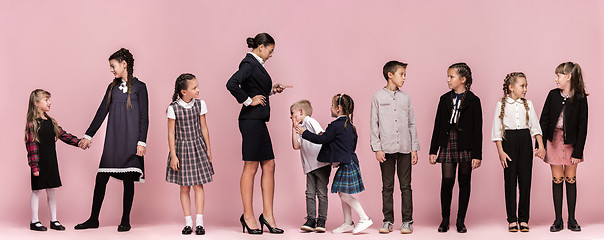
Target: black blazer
{"type": "Point", "coordinates": [575, 120]}
{"type": "Point", "coordinates": [250, 80]}
{"type": "Point", "coordinates": [470, 123]}
{"type": "Point", "coordinates": [339, 143]}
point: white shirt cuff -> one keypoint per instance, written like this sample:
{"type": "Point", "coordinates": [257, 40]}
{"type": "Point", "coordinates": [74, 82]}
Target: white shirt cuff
{"type": "Point", "coordinates": [141, 144]}
{"type": "Point", "coordinates": [247, 102]}
{"type": "Point", "coordinates": [88, 137]}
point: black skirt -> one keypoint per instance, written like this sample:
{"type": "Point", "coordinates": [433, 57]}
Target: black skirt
{"type": "Point", "coordinates": [256, 142]}
{"type": "Point", "coordinates": [49, 167]}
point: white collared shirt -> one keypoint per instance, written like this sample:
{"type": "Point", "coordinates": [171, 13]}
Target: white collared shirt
{"type": "Point", "coordinates": [308, 150]}
{"type": "Point", "coordinates": [187, 105]}
{"type": "Point", "coordinates": [514, 118]}
{"type": "Point", "coordinates": [248, 101]}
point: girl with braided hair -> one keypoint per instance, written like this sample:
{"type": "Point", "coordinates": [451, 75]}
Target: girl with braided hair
{"type": "Point", "coordinates": [339, 142]}
{"type": "Point", "coordinates": [126, 104]}
{"type": "Point", "coordinates": [514, 125]}
{"type": "Point", "coordinates": [458, 135]}
{"type": "Point", "coordinates": [564, 124]}
{"type": "Point", "coordinates": [190, 158]}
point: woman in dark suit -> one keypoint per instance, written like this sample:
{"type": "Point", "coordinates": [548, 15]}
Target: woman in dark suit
{"type": "Point", "coordinates": [251, 86]}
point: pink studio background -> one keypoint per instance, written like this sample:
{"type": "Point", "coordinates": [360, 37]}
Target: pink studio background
{"type": "Point", "coordinates": [323, 48]}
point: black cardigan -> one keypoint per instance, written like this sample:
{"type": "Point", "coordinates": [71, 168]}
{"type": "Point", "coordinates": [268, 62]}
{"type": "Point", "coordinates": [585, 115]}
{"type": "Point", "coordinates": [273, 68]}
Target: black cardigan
{"type": "Point", "coordinates": [575, 120]}
{"type": "Point", "coordinates": [339, 142]}
{"type": "Point", "coordinates": [250, 80]}
{"type": "Point", "coordinates": [470, 123]}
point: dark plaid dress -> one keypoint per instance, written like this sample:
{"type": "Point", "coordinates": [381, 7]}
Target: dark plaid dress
{"type": "Point", "coordinates": [195, 167]}
{"type": "Point", "coordinates": [348, 179]}
{"type": "Point", "coordinates": [452, 153]}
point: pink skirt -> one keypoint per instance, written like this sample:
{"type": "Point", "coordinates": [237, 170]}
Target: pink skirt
{"type": "Point", "coordinates": [559, 153]}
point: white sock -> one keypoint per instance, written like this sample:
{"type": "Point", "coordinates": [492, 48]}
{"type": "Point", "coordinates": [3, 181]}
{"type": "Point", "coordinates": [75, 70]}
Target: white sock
{"type": "Point", "coordinates": [34, 202]}
{"type": "Point", "coordinates": [189, 221]}
{"type": "Point", "coordinates": [52, 204]}
{"type": "Point", "coordinates": [354, 204]}
{"type": "Point", "coordinates": [346, 210]}
{"type": "Point", "coordinates": [199, 220]}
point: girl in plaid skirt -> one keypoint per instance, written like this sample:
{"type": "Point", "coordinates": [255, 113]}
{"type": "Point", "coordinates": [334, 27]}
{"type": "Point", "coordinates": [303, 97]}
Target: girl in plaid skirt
{"type": "Point", "coordinates": [339, 143]}
{"type": "Point", "coordinates": [190, 158]}
{"type": "Point", "coordinates": [458, 135]}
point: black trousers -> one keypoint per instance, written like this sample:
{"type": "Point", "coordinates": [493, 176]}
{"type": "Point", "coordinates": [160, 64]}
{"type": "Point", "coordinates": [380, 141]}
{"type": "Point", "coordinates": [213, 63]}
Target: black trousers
{"type": "Point", "coordinates": [519, 147]}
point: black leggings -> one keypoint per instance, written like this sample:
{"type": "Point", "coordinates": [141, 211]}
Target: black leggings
{"type": "Point", "coordinates": [99, 194]}
{"type": "Point", "coordinates": [446, 189]}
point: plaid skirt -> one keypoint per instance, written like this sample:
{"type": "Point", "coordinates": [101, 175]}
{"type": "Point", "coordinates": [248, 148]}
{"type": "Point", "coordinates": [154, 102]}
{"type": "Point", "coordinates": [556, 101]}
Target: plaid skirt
{"type": "Point", "coordinates": [348, 179]}
{"type": "Point", "coordinates": [195, 167]}
{"type": "Point", "coordinates": [452, 153]}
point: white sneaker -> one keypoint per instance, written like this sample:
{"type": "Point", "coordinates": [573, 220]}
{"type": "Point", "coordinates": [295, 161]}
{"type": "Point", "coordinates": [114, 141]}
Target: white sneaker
{"type": "Point", "coordinates": [386, 227]}
{"type": "Point", "coordinates": [343, 228]}
{"type": "Point", "coordinates": [407, 227]}
{"type": "Point", "coordinates": [362, 225]}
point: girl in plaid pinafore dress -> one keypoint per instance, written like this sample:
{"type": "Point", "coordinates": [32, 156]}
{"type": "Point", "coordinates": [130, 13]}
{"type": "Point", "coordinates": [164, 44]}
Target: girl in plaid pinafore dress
{"type": "Point", "coordinates": [189, 162]}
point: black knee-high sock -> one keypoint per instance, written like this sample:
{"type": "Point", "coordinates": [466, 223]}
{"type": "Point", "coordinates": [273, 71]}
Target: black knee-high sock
{"type": "Point", "coordinates": [99, 194]}
{"type": "Point", "coordinates": [557, 194]}
{"type": "Point", "coordinates": [571, 199]}
{"type": "Point", "coordinates": [464, 196]}
{"type": "Point", "coordinates": [446, 193]}
{"type": "Point", "coordinates": [127, 201]}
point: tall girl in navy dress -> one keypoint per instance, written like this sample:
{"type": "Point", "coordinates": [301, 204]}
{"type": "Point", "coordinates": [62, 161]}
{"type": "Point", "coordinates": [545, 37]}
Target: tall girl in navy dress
{"type": "Point", "coordinates": [190, 158]}
{"type": "Point", "coordinates": [126, 103]}
{"type": "Point", "coordinates": [41, 133]}
{"type": "Point", "coordinates": [339, 142]}
{"type": "Point", "coordinates": [251, 86]}
{"type": "Point", "coordinates": [458, 135]}
{"type": "Point", "coordinates": [514, 126]}
{"type": "Point", "coordinates": [564, 124]}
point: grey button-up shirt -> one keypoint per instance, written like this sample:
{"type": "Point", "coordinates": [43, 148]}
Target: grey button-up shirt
{"type": "Point", "coordinates": [393, 122]}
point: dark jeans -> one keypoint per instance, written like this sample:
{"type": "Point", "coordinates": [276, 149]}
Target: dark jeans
{"type": "Point", "coordinates": [402, 164]}
{"type": "Point", "coordinates": [316, 185]}
{"type": "Point", "coordinates": [518, 146]}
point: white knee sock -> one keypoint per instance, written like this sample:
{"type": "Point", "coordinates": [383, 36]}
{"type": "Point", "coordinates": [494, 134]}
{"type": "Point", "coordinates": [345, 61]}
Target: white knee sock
{"type": "Point", "coordinates": [199, 220]}
{"type": "Point", "coordinates": [34, 203]}
{"type": "Point", "coordinates": [52, 203]}
{"type": "Point", "coordinates": [354, 204]}
{"type": "Point", "coordinates": [189, 221]}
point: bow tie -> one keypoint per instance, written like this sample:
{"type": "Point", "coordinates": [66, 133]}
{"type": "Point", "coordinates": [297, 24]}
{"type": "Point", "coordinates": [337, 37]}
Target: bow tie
{"type": "Point", "coordinates": [123, 87]}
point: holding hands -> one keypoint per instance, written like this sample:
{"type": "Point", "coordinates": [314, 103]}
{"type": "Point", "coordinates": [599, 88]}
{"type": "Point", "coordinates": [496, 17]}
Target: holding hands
{"type": "Point", "coordinates": [540, 153]}
{"type": "Point", "coordinates": [84, 144]}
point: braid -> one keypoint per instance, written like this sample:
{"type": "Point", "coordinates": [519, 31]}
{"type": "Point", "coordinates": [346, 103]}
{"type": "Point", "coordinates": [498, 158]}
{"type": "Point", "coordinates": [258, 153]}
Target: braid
{"type": "Point", "coordinates": [347, 105]}
{"type": "Point", "coordinates": [464, 71]}
{"type": "Point", "coordinates": [526, 107]}
{"type": "Point", "coordinates": [506, 92]}
{"type": "Point", "coordinates": [181, 84]}
{"type": "Point", "coordinates": [459, 108]}
{"type": "Point", "coordinates": [122, 55]}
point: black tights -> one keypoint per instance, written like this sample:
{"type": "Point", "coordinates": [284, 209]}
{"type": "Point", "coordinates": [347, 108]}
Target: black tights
{"type": "Point", "coordinates": [99, 194]}
{"type": "Point", "coordinates": [446, 189]}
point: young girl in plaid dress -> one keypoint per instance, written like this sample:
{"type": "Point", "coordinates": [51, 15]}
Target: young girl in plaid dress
{"type": "Point", "coordinates": [339, 143]}
{"type": "Point", "coordinates": [458, 134]}
{"type": "Point", "coordinates": [190, 158]}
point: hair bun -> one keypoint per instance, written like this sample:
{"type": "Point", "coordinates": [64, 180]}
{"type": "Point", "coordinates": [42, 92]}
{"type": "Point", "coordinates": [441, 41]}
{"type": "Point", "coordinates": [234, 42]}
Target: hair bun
{"type": "Point", "coordinates": [250, 43]}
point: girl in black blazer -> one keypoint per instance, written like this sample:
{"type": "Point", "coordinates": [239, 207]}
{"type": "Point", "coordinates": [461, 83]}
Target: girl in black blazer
{"type": "Point", "coordinates": [458, 134]}
{"type": "Point", "coordinates": [564, 124]}
{"type": "Point", "coordinates": [251, 85]}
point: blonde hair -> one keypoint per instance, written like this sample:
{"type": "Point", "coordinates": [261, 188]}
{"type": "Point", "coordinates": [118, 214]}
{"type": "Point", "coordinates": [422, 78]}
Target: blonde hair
{"type": "Point", "coordinates": [511, 79]}
{"type": "Point", "coordinates": [576, 80]}
{"type": "Point", "coordinates": [302, 104]}
{"type": "Point", "coordinates": [32, 124]}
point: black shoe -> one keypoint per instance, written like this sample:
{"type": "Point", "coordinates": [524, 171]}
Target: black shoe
{"type": "Point", "coordinates": [573, 225]}
{"type": "Point", "coordinates": [461, 228]}
{"type": "Point", "coordinates": [187, 230]}
{"type": "Point", "coordinates": [444, 226]}
{"type": "Point", "coordinates": [244, 226]}
{"type": "Point", "coordinates": [512, 228]}
{"type": "Point", "coordinates": [199, 230]}
{"type": "Point", "coordinates": [86, 225]}
{"type": "Point", "coordinates": [56, 225]}
{"type": "Point", "coordinates": [557, 226]}
{"type": "Point", "coordinates": [320, 225]}
{"type": "Point", "coordinates": [33, 226]}
{"type": "Point", "coordinates": [309, 225]}
{"type": "Point", "coordinates": [271, 229]}
{"type": "Point", "coordinates": [524, 227]}
{"type": "Point", "coordinates": [123, 227]}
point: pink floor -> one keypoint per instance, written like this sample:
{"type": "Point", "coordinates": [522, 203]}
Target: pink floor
{"type": "Point", "coordinates": [163, 232]}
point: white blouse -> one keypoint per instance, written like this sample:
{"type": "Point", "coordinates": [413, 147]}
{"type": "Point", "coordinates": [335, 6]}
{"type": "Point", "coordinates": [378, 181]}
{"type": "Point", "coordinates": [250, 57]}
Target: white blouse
{"type": "Point", "coordinates": [187, 105]}
{"type": "Point", "coordinates": [515, 118]}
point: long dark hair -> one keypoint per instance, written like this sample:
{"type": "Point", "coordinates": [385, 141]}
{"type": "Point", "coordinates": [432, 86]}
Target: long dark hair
{"type": "Point", "coordinates": [347, 105]}
{"type": "Point", "coordinates": [464, 71]}
{"type": "Point", "coordinates": [119, 56]}
{"type": "Point", "coordinates": [181, 84]}
{"type": "Point", "coordinates": [260, 39]}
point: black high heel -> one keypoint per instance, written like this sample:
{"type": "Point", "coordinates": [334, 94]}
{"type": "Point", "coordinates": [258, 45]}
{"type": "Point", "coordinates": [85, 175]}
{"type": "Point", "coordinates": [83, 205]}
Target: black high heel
{"type": "Point", "coordinates": [244, 226]}
{"type": "Point", "coordinates": [270, 229]}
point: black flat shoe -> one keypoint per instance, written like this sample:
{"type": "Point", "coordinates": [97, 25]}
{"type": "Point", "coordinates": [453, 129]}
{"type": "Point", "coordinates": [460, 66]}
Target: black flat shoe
{"type": "Point", "coordinates": [271, 229]}
{"type": "Point", "coordinates": [199, 230]}
{"type": "Point", "coordinates": [513, 228]}
{"type": "Point", "coordinates": [187, 230]}
{"type": "Point", "coordinates": [244, 226]}
{"type": "Point", "coordinates": [56, 225]}
{"type": "Point", "coordinates": [37, 226]}
{"type": "Point", "coordinates": [556, 226]}
{"type": "Point", "coordinates": [524, 227]}
{"type": "Point", "coordinates": [86, 225]}
{"type": "Point", "coordinates": [443, 227]}
{"type": "Point", "coordinates": [123, 227]}
{"type": "Point", "coordinates": [461, 228]}
{"type": "Point", "coordinates": [573, 225]}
